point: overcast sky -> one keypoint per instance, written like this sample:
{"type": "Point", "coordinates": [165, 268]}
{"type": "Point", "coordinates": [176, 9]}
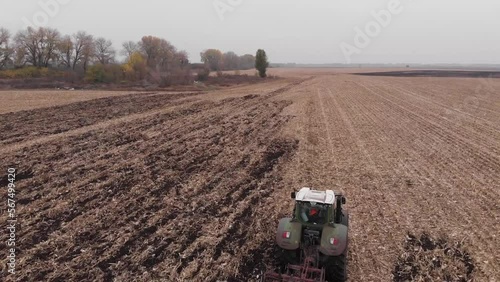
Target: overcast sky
{"type": "Point", "coordinates": [301, 31]}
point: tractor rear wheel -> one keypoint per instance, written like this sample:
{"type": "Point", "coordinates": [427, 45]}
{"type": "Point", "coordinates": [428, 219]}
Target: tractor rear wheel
{"type": "Point", "coordinates": [288, 257]}
{"type": "Point", "coordinates": [336, 269]}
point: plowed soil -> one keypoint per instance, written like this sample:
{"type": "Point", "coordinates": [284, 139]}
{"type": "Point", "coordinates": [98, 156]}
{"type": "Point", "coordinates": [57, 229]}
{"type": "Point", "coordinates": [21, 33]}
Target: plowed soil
{"type": "Point", "coordinates": [190, 186]}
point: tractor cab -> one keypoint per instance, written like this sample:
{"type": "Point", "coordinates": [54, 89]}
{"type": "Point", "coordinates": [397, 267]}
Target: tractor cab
{"type": "Point", "coordinates": [314, 207]}
{"type": "Point", "coordinates": [312, 212]}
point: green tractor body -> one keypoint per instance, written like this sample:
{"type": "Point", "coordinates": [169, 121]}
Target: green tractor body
{"type": "Point", "coordinates": [314, 240]}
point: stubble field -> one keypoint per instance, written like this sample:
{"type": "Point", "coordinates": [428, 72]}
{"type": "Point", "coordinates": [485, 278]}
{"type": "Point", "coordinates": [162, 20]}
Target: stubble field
{"type": "Point", "coordinates": [190, 186]}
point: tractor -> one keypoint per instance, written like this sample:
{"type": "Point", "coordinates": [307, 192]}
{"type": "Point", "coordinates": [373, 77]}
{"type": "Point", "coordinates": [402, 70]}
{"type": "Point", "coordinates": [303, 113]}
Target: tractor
{"type": "Point", "coordinates": [313, 241]}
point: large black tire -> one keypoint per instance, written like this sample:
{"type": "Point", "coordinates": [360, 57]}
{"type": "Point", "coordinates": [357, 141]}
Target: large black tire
{"type": "Point", "coordinates": [287, 257]}
{"type": "Point", "coordinates": [336, 269]}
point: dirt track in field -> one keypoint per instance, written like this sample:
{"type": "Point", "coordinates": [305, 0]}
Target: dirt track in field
{"type": "Point", "coordinates": [190, 186]}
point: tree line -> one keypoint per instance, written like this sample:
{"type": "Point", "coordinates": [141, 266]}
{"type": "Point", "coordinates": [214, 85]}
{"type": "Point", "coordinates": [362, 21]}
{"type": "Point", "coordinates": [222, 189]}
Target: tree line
{"type": "Point", "coordinates": [215, 60]}
{"type": "Point", "coordinates": [95, 58]}
{"type": "Point", "coordinates": [46, 47]}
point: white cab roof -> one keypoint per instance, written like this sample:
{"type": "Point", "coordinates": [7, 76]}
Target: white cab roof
{"type": "Point", "coordinates": [307, 195]}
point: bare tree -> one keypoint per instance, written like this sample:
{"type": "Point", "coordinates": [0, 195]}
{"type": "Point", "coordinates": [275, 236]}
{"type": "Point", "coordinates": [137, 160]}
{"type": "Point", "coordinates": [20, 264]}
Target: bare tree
{"type": "Point", "coordinates": [84, 48]}
{"type": "Point", "coordinates": [104, 51]}
{"type": "Point", "coordinates": [129, 48]}
{"type": "Point", "coordinates": [76, 50]}
{"type": "Point", "coordinates": [6, 51]}
{"type": "Point", "coordinates": [66, 48]}
{"type": "Point", "coordinates": [50, 39]}
{"type": "Point", "coordinates": [160, 54]}
{"type": "Point", "coordinates": [88, 54]}
{"type": "Point", "coordinates": [38, 46]}
{"type": "Point", "coordinates": [213, 59]}
{"type": "Point", "coordinates": [19, 56]}
{"type": "Point", "coordinates": [150, 47]}
{"type": "Point", "coordinates": [181, 59]}
{"type": "Point", "coordinates": [166, 60]}
{"type": "Point", "coordinates": [4, 36]}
